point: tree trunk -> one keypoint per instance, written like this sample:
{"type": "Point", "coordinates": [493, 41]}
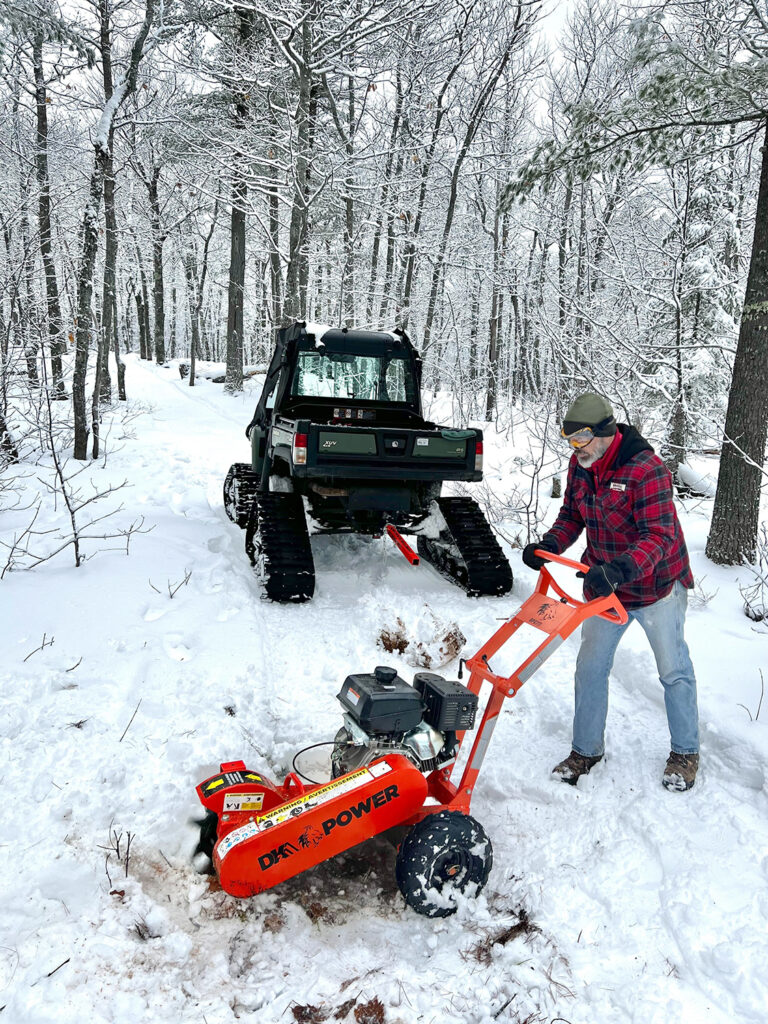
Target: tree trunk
{"type": "Point", "coordinates": [90, 242]}
{"type": "Point", "coordinates": [158, 278]}
{"type": "Point", "coordinates": [204, 345]}
{"type": "Point", "coordinates": [28, 327]}
{"type": "Point", "coordinates": [474, 325]}
{"type": "Point", "coordinates": [108, 336]}
{"type": "Point", "coordinates": [475, 119]}
{"type": "Point", "coordinates": [494, 323]}
{"type": "Point", "coordinates": [55, 326]}
{"type": "Point", "coordinates": [297, 229]}
{"type": "Point", "coordinates": [348, 283]}
{"type": "Point", "coordinates": [194, 314]}
{"type": "Point", "coordinates": [735, 516]}
{"type": "Point", "coordinates": [8, 449]}
{"type": "Point", "coordinates": [142, 303]}
{"type": "Point", "coordinates": [675, 452]}
{"type": "Point", "coordinates": [140, 321]}
{"type": "Point", "coordinates": [237, 258]}
{"type": "Point", "coordinates": [384, 210]}
{"type": "Point", "coordinates": [90, 232]}
{"type": "Point", "coordinates": [409, 259]}
{"type": "Point", "coordinates": [275, 270]}
{"type": "Point", "coordinates": [562, 259]}
{"type": "Point", "coordinates": [102, 386]}
{"type": "Point", "coordinates": [173, 325]}
{"type": "Point", "coordinates": [517, 353]}
{"type": "Point", "coordinates": [389, 263]}
{"type": "Point", "coordinates": [582, 272]}
{"type": "Point", "coordinates": [235, 302]}
{"type": "Point", "coordinates": [303, 255]}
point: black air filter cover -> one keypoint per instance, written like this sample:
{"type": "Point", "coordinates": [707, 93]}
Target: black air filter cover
{"type": "Point", "coordinates": [381, 702]}
{"type": "Point", "coordinates": [451, 707]}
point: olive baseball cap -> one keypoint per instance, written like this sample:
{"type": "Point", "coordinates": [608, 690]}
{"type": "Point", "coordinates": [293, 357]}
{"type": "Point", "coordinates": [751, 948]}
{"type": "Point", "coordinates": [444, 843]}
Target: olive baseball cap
{"type": "Point", "coordinates": [590, 410]}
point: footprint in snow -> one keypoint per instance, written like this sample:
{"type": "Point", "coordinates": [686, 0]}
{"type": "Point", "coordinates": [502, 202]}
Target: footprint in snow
{"type": "Point", "coordinates": [176, 648]}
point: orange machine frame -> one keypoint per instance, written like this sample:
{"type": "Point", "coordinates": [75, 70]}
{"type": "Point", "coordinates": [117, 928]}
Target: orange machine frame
{"type": "Point", "coordinates": [557, 616]}
{"type": "Point", "coordinates": [299, 826]}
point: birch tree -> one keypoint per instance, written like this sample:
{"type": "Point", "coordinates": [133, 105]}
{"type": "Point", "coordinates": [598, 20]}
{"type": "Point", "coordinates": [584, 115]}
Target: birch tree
{"type": "Point", "coordinates": [124, 87]}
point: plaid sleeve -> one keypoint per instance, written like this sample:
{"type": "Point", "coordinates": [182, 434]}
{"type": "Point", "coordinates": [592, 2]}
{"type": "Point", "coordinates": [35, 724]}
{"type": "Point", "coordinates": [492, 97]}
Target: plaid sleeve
{"type": "Point", "coordinates": [569, 523]}
{"type": "Point", "coordinates": [654, 514]}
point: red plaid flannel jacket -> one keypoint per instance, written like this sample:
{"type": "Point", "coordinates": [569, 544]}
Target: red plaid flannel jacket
{"type": "Point", "coordinates": [628, 511]}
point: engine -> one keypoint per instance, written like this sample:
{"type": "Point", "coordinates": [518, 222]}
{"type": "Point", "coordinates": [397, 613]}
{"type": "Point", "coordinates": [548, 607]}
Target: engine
{"type": "Point", "coordinates": [384, 714]}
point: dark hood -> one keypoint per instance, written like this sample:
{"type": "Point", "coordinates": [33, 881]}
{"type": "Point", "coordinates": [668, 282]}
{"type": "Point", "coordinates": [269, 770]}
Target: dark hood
{"type": "Point", "coordinates": [632, 443]}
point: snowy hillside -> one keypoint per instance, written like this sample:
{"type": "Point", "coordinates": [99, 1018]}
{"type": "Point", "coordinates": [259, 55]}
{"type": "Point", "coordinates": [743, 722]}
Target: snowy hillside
{"type": "Point", "coordinates": [125, 682]}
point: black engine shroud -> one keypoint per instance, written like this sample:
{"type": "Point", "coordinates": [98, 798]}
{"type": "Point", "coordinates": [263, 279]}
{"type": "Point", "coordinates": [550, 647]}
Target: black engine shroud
{"type": "Point", "coordinates": [383, 712]}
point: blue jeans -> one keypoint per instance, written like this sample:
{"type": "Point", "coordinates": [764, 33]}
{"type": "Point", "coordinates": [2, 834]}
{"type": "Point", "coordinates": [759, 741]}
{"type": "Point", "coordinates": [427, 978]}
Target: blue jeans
{"type": "Point", "coordinates": [663, 623]}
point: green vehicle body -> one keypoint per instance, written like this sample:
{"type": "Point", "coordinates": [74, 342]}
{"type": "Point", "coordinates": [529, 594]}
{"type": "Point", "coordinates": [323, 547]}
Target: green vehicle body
{"type": "Point", "coordinates": [368, 454]}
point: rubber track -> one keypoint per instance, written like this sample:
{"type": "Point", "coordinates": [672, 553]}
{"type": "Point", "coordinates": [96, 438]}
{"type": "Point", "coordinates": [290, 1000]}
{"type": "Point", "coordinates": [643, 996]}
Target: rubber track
{"type": "Point", "coordinates": [470, 556]}
{"type": "Point", "coordinates": [277, 541]}
{"type": "Point", "coordinates": [239, 491]}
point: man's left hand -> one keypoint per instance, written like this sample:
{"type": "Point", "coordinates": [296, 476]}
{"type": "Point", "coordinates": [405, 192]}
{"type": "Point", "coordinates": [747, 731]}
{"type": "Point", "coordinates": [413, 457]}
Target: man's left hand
{"type": "Point", "coordinates": [605, 578]}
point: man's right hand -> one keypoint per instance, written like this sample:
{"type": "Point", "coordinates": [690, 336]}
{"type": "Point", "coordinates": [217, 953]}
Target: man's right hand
{"type": "Point", "coordinates": [533, 561]}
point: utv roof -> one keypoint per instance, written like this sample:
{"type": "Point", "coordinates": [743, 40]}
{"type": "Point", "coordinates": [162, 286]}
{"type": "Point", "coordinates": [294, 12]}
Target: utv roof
{"type": "Point", "coordinates": [343, 338]}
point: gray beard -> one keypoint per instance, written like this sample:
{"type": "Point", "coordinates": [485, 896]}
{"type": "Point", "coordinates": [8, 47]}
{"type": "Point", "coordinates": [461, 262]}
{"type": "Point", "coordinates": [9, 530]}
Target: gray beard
{"type": "Point", "coordinates": [590, 460]}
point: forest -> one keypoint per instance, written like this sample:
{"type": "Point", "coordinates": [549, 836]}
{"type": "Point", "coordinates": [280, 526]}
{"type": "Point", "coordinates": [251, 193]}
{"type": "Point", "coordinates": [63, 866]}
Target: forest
{"type": "Point", "coordinates": [543, 212]}
{"type": "Point", "coordinates": [548, 199]}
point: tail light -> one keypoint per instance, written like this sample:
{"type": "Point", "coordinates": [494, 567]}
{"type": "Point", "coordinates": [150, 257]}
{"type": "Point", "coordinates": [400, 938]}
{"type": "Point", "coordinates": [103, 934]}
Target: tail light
{"type": "Point", "coordinates": [299, 449]}
{"type": "Point", "coordinates": [478, 456]}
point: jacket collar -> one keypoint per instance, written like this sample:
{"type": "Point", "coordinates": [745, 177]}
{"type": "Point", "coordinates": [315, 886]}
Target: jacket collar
{"type": "Point", "coordinates": [620, 452]}
{"type": "Point", "coordinates": [604, 463]}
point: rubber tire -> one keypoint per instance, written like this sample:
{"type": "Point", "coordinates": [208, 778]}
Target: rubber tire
{"type": "Point", "coordinates": [443, 852]}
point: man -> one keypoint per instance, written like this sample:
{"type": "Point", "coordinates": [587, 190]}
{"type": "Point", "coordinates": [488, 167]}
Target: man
{"type": "Point", "coordinates": [621, 494]}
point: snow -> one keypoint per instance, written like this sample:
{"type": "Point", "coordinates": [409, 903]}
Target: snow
{"type": "Point", "coordinates": [642, 905]}
{"type": "Point", "coordinates": [319, 330]}
{"type": "Point", "coordinates": [100, 137]}
{"type": "Point", "coordinates": [700, 483]}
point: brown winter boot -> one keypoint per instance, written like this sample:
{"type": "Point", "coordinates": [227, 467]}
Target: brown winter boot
{"type": "Point", "coordinates": [574, 766]}
{"type": "Point", "coordinates": [680, 773]}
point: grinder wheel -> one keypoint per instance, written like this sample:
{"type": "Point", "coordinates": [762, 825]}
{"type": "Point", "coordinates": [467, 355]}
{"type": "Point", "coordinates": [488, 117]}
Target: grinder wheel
{"type": "Point", "coordinates": [444, 854]}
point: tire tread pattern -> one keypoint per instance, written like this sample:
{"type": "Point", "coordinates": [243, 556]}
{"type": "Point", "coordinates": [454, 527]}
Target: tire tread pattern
{"type": "Point", "coordinates": [432, 843]}
{"type": "Point", "coordinates": [240, 487]}
{"type": "Point", "coordinates": [277, 543]}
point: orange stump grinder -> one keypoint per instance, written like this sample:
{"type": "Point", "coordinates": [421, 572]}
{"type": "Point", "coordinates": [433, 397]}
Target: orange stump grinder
{"type": "Point", "coordinates": [392, 765]}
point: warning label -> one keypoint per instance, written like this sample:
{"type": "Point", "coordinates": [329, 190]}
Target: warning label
{"type": "Point", "coordinates": [300, 805]}
{"type": "Point", "coordinates": [236, 837]}
{"type": "Point", "coordinates": [243, 801]}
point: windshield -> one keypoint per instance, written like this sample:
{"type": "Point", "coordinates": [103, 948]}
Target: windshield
{"type": "Point", "coordinates": [346, 375]}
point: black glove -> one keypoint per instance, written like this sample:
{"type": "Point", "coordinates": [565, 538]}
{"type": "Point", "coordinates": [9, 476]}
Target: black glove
{"type": "Point", "coordinates": [534, 561]}
{"type": "Point", "coordinates": [607, 577]}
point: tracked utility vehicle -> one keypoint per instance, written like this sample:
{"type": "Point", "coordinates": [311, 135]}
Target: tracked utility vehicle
{"type": "Point", "coordinates": [339, 428]}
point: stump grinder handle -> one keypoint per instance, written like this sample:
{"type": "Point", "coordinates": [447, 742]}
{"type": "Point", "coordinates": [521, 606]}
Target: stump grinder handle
{"type": "Point", "coordinates": [293, 786]}
{"type": "Point", "coordinates": [612, 609]}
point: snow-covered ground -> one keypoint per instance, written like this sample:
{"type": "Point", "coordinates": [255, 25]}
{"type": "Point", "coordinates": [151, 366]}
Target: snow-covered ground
{"type": "Point", "coordinates": [633, 904]}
